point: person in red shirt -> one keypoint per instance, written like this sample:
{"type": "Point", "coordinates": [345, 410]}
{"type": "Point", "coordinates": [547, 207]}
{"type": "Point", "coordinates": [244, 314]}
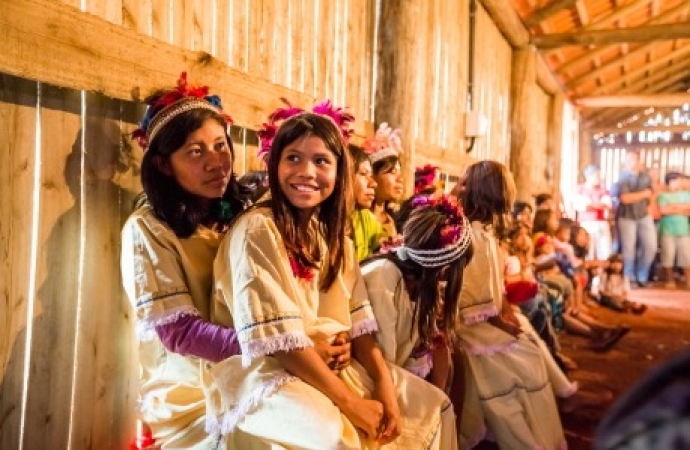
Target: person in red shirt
{"type": "Point", "coordinates": [593, 207]}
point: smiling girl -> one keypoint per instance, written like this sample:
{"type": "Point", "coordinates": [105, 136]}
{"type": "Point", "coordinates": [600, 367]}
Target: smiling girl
{"type": "Point", "coordinates": [289, 274]}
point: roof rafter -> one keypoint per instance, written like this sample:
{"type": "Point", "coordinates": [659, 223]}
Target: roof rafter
{"type": "Point", "coordinates": [607, 37]}
{"type": "Point", "coordinates": [547, 11]}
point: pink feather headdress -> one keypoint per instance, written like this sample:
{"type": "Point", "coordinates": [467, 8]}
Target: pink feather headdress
{"type": "Point", "coordinates": [425, 178]}
{"type": "Point", "coordinates": [268, 131]}
{"type": "Point", "coordinates": [385, 142]}
{"type": "Point", "coordinates": [184, 97]}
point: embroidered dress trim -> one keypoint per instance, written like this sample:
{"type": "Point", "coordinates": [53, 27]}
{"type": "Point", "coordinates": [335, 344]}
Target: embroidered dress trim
{"type": "Point", "coordinates": [229, 420]}
{"type": "Point", "coordinates": [420, 367]}
{"type": "Point", "coordinates": [146, 326]}
{"type": "Point", "coordinates": [366, 326]}
{"type": "Point", "coordinates": [472, 318]}
{"type": "Point", "coordinates": [290, 340]}
{"type": "Point", "coordinates": [172, 292]}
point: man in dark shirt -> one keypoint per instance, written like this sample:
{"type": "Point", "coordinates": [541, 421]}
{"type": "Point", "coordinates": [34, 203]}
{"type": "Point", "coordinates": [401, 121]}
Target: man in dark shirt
{"type": "Point", "coordinates": [637, 234]}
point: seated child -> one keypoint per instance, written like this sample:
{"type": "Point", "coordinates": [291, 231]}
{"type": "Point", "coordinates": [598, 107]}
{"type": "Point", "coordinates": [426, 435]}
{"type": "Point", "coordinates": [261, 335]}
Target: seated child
{"type": "Point", "coordinates": [614, 287]}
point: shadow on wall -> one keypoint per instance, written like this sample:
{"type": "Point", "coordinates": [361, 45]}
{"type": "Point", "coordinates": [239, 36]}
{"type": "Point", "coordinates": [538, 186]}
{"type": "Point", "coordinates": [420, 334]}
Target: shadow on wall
{"type": "Point", "coordinates": [81, 344]}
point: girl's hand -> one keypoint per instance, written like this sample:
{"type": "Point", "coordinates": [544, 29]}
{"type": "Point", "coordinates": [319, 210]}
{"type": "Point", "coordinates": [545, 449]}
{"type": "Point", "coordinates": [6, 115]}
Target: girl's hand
{"type": "Point", "coordinates": [336, 355]}
{"type": "Point", "coordinates": [389, 428]}
{"type": "Point", "coordinates": [365, 414]}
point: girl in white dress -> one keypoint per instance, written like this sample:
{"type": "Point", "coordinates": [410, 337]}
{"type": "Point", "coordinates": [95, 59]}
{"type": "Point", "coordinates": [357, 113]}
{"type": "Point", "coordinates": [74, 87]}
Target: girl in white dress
{"type": "Point", "coordinates": [289, 275]}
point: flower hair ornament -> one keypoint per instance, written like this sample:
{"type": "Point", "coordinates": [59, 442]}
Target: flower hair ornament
{"type": "Point", "coordinates": [182, 98]}
{"type": "Point", "coordinates": [425, 179]}
{"type": "Point", "coordinates": [456, 234]}
{"type": "Point", "coordinates": [386, 142]}
{"type": "Point", "coordinates": [268, 131]}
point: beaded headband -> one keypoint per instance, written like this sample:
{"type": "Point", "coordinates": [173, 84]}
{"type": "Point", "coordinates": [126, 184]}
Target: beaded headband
{"type": "Point", "coordinates": [386, 142]}
{"type": "Point", "coordinates": [171, 104]}
{"type": "Point", "coordinates": [456, 234]}
{"type": "Point", "coordinates": [268, 131]}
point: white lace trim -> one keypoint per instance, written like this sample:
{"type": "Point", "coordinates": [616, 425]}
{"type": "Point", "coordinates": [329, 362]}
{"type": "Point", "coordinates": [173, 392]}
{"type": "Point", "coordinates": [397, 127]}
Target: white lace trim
{"type": "Point", "coordinates": [419, 366]}
{"type": "Point", "coordinates": [229, 420]}
{"type": "Point", "coordinates": [366, 326]}
{"type": "Point", "coordinates": [284, 342]}
{"type": "Point", "coordinates": [146, 326]}
{"type": "Point", "coordinates": [480, 316]}
{"type": "Point", "coordinates": [490, 350]}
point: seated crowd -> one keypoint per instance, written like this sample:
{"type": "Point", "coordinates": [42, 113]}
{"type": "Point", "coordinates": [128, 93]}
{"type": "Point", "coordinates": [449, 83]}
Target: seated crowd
{"type": "Point", "coordinates": [311, 306]}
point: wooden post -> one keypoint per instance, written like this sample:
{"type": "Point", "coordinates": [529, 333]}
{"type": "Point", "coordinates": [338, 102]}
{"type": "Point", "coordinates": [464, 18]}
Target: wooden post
{"type": "Point", "coordinates": [585, 146]}
{"type": "Point", "coordinates": [554, 143]}
{"type": "Point", "coordinates": [396, 93]}
{"type": "Point", "coordinates": [523, 81]}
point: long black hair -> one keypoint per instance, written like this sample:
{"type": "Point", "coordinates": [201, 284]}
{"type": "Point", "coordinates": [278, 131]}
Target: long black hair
{"type": "Point", "coordinates": [422, 231]}
{"type": "Point", "coordinates": [333, 213]}
{"type": "Point", "coordinates": [170, 202]}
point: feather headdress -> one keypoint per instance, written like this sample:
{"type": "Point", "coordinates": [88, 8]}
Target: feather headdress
{"type": "Point", "coordinates": [385, 142]}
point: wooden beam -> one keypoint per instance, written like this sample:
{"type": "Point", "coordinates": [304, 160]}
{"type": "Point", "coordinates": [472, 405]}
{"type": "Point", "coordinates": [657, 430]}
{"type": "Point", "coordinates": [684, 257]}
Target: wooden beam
{"type": "Point", "coordinates": [507, 20]}
{"type": "Point", "coordinates": [547, 11]}
{"type": "Point", "coordinates": [669, 15]}
{"type": "Point", "coordinates": [606, 37]}
{"type": "Point", "coordinates": [637, 128]}
{"type": "Point", "coordinates": [613, 64]}
{"type": "Point", "coordinates": [546, 79]}
{"type": "Point", "coordinates": [57, 44]}
{"type": "Point", "coordinates": [651, 67]}
{"type": "Point", "coordinates": [626, 101]}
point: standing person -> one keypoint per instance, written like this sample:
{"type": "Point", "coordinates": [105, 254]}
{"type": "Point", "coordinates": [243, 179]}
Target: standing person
{"type": "Point", "coordinates": [636, 229]}
{"type": "Point", "coordinates": [506, 363]}
{"type": "Point", "coordinates": [674, 205]}
{"type": "Point", "coordinates": [384, 150]}
{"type": "Point", "coordinates": [289, 275]}
{"type": "Point", "coordinates": [367, 231]}
{"type": "Point", "coordinates": [593, 208]}
{"type": "Point", "coordinates": [168, 247]}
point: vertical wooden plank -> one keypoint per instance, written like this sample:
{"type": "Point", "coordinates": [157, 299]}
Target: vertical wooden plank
{"type": "Point", "coordinates": [224, 31]}
{"type": "Point", "coordinates": [51, 388]}
{"type": "Point", "coordinates": [102, 360]}
{"type": "Point", "coordinates": [162, 26]}
{"type": "Point", "coordinates": [326, 45]}
{"type": "Point", "coordinates": [310, 46]}
{"type": "Point", "coordinates": [296, 36]}
{"type": "Point", "coordinates": [281, 42]}
{"type": "Point", "coordinates": [18, 98]}
{"type": "Point", "coordinates": [137, 15]}
{"type": "Point", "coordinates": [255, 38]}
{"type": "Point", "coordinates": [205, 25]}
{"type": "Point", "coordinates": [183, 29]}
{"type": "Point", "coordinates": [269, 46]}
{"type": "Point", "coordinates": [110, 10]}
{"type": "Point", "coordinates": [240, 43]}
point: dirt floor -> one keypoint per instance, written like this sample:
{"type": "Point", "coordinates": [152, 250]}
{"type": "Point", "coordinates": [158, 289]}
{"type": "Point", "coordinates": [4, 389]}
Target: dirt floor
{"type": "Point", "coordinates": [659, 333]}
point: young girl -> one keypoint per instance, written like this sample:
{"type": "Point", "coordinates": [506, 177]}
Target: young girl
{"type": "Point", "coordinates": [367, 231]}
{"type": "Point", "coordinates": [416, 322]}
{"type": "Point", "coordinates": [384, 150]}
{"type": "Point", "coordinates": [509, 372]}
{"type": "Point", "coordinates": [614, 287]}
{"type": "Point", "coordinates": [289, 274]}
{"type": "Point", "coordinates": [168, 247]}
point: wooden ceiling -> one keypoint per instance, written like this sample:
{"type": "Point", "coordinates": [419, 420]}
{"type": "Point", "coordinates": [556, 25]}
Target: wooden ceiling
{"type": "Point", "coordinates": [609, 53]}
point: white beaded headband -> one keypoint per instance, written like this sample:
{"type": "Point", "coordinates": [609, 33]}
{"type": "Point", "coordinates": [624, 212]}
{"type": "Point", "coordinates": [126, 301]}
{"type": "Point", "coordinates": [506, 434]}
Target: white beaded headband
{"type": "Point", "coordinates": [442, 256]}
{"type": "Point", "coordinates": [170, 112]}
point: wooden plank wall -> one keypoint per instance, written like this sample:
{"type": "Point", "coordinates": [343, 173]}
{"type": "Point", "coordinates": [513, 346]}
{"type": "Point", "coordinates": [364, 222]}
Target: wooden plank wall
{"type": "Point", "coordinates": [492, 72]}
{"type": "Point", "coordinates": [68, 371]}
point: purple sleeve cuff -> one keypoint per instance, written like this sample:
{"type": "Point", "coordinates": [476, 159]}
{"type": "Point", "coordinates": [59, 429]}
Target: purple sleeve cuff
{"type": "Point", "coordinates": [193, 336]}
